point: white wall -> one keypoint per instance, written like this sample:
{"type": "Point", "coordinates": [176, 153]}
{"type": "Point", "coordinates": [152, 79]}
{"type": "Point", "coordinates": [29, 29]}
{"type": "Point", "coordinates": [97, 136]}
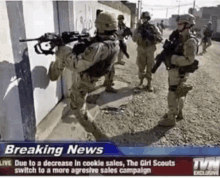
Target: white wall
{"type": "Point", "coordinates": [10, 113]}
{"type": "Point", "coordinates": [39, 19]}
{"type": "Point", "coordinates": [85, 14]}
{"type": "Point", "coordinates": [218, 26]}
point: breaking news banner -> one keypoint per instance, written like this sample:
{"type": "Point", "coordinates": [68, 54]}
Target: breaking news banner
{"type": "Point", "coordinates": [104, 158]}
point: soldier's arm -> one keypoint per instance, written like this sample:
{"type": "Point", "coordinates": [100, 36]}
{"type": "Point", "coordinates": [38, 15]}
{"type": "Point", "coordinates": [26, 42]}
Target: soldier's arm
{"type": "Point", "coordinates": [57, 66]}
{"type": "Point", "coordinates": [202, 32]}
{"type": "Point", "coordinates": [157, 30]}
{"type": "Point", "coordinates": [190, 49]}
{"type": "Point", "coordinates": [83, 61]}
{"type": "Point", "coordinates": [136, 37]}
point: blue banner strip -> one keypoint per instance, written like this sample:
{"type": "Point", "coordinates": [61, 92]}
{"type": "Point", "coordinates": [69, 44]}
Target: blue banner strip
{"type": "Point", "coordinates": [175, 151]}
{"type": "Point", "coordinates": [94, 149]}
{"type": "Point", "coordinates": [59, 149]}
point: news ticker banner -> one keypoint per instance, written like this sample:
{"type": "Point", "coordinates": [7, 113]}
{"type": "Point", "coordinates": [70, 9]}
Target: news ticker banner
{"type": "Point", "coordinates": [31, 158]}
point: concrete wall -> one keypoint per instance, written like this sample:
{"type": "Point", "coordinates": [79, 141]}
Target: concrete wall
{"type": "Point", "coordinates": [117, 8]}
{"type": "Point", "coordinates": [10, 121]}
{"type": "Point", "coordinates": [218, 26]}
{"type": "Point", "coordinates": [85, 14]}
{"type": "Point", "coordinates": [46, 93]}
{"type": "Point", "coordinates": [26, 94]}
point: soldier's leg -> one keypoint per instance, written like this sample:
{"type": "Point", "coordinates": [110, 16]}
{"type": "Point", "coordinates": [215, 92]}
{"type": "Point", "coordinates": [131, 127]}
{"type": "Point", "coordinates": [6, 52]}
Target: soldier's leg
{"type": "Point", "coordinates": [109, 81]}
{"type": "Point", "coordinates": [150, 63]}
{"type": "Point", "coordinates": [181, 100]}
{"type": "Point", "coordinates": [209, 42]}
{"type": "Point", "coordinates": [173, 102]}
{"type": "Point", "coordinates": [180, 109]}
{"type": "Point", "coordinates": [141, 63]}
{"type": "Point", "coordinates": [120, 57]}
{"type": "Point", "coordinates": [203, 46]}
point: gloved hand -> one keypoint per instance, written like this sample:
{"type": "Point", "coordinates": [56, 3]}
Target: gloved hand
{"type": "Point", "coordinates": [61, 55]}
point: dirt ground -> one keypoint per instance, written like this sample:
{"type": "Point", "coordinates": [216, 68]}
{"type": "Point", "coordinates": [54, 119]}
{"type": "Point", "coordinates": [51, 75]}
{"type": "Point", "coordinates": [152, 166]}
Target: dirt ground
{"type": "Point", "coordinates": [136, 123]}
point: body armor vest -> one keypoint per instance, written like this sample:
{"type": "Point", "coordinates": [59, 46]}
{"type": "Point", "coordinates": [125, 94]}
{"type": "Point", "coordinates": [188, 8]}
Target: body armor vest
{"type": "Point", "coordinates": [179, 50]}
{"type": "Point", "coordinates": [102, 67]}
{"type": "Point", "coordinates": [208, 32]}
{"type": "Point", "coordinates": [149, 32]}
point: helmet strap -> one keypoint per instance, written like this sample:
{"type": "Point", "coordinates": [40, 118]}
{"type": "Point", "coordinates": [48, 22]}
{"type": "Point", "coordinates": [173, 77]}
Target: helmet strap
{"type": "Point", "coordinates": [185, 27]}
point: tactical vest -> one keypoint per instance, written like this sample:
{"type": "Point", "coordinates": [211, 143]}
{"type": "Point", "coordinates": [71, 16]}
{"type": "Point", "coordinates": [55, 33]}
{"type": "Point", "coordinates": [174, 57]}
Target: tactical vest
{"type": "Point", "coordinates": [208, 32]}
{"type": "Point", "coordinates": [102, 67]}
{"type": "Point", "coordinates": [149, 28]}
{"type": "Point", "coordinates": [121, 26]}
{"type": "Point", "coordinates": [179, 50]}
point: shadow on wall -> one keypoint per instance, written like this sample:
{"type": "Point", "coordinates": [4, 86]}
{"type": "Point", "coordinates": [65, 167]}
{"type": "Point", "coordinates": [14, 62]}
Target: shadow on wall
{"type": "Point", "coordinates": [17, 113]}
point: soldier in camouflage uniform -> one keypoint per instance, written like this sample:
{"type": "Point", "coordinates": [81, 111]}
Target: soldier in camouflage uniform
{"type": "Point", "coordinates": [96, 61]}
{"type": "Point", "coordinates": [206, 34]}
{"type": "Point", "coordinates": [186, 50]}
{"type": "Point", "coordinates": [121, 28]}
{"type": "Point", "coordinates": [146, 36]}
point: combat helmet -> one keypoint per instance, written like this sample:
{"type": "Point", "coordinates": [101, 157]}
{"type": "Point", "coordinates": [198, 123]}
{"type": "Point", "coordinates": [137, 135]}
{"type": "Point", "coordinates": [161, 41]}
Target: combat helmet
{"type": "Point", "coordinates": [209, 22]}
{"type": "Point", "coordinates": [189, 19]}
{"type": "Point", "coordinates": [106, 22]}
{"type": "Point", "coordinates": [121, 17]}
{"type": "Point", "coordinates": [145, 15]}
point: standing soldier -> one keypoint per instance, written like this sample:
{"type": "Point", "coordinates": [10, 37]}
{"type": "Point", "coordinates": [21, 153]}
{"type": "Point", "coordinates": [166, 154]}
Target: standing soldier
{"type": "Point", "coordinates": [162, 26]}
{"type": "Point", "coordinates": [121, 28]}
{"type": "Point", "coordinates": [206, 34]}
{"type": "Point", "coordinates": [186, 51]}
{"type": "Point", "coordinates": [146, 35]}
{"type": "Point", "coordinates": [96, 61]}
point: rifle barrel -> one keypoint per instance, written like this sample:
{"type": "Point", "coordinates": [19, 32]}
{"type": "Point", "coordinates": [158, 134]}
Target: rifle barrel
{"type": "Point", "coordinates": [24, 40]}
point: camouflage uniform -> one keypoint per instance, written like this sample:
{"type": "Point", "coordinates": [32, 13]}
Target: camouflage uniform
{"type": "Point", "coordinates": [145, 50]}
{"type": "Point", "coordinates": [121, 28]}
{"type": "Point", "coordinates": [96, 61]}
{"type": "Point", "coordinates": [186, 50]}
{"type": "Point", "coordinates": [206, 34]}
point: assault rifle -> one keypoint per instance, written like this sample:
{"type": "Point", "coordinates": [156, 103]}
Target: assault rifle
{"type": "Point", "coordinates": [56, 40]}
{"type": "Point", "coordinates": [145, 33]}
{"type": "Point", "coordinates": [168, 49]}
{"type": "Point", "coordinates": [127, 32]}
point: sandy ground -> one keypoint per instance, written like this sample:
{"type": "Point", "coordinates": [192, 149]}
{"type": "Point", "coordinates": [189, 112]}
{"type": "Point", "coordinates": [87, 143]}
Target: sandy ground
{"type": "Point", "coordinates": [136, 123]}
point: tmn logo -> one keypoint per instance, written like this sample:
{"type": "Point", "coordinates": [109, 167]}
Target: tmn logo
{"type": "Point", "coordinates": [206, 166]}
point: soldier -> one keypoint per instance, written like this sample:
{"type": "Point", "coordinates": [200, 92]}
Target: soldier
{"type": "Point", "coordinates": [206, 34]}
{"type": "Point", "coordinates": [146, 35]}
{"type": "Point", "coordinates": [162, 26]}
{"type": "Point", "coordinates": [186, 51]}
{"type": "Point", "coordinates": [159, 27]}
{"type": "Point", "coordinates": [96, 61]}
{"type": "Point", "coordinates": [121, 28]}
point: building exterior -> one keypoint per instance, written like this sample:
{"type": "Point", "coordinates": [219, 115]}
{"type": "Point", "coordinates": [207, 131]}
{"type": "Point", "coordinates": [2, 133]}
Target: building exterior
{"type": "Point", "coordinates": [172, 21]}
{"type": "Point", "coordinates": [134, 13]}
{"type": "Point", "coordinates": [206, 14]}
{"type": "Point", "coordinates": [27, 96]}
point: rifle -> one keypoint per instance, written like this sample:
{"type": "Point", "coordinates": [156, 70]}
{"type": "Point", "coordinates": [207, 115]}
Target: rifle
{"type": "Point", "coordinates": [168, 49]}
{"type": "Point", "coordinates": [127, 32]}
{"type": "Point", "coordinates": [150, 35]}
{"type": "Point", "coordinates": [56, 40]}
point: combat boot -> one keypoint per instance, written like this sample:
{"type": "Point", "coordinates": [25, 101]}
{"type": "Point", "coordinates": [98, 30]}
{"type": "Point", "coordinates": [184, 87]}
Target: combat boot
{"type": "Point", "coordinates": [167, 121]}
{"type": "Point", "coordinates": [110, 89]}
{"type": "Point", "coordinates": [121, 62]}
{"type": "Point", "coordinates": [106, 83]}
{"type": "Point", "coordinates": [149, 86]}
{"type": "Point", "coordinates": [180, 115]}
{"type": "Point", "coordinates": [141, 81]}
